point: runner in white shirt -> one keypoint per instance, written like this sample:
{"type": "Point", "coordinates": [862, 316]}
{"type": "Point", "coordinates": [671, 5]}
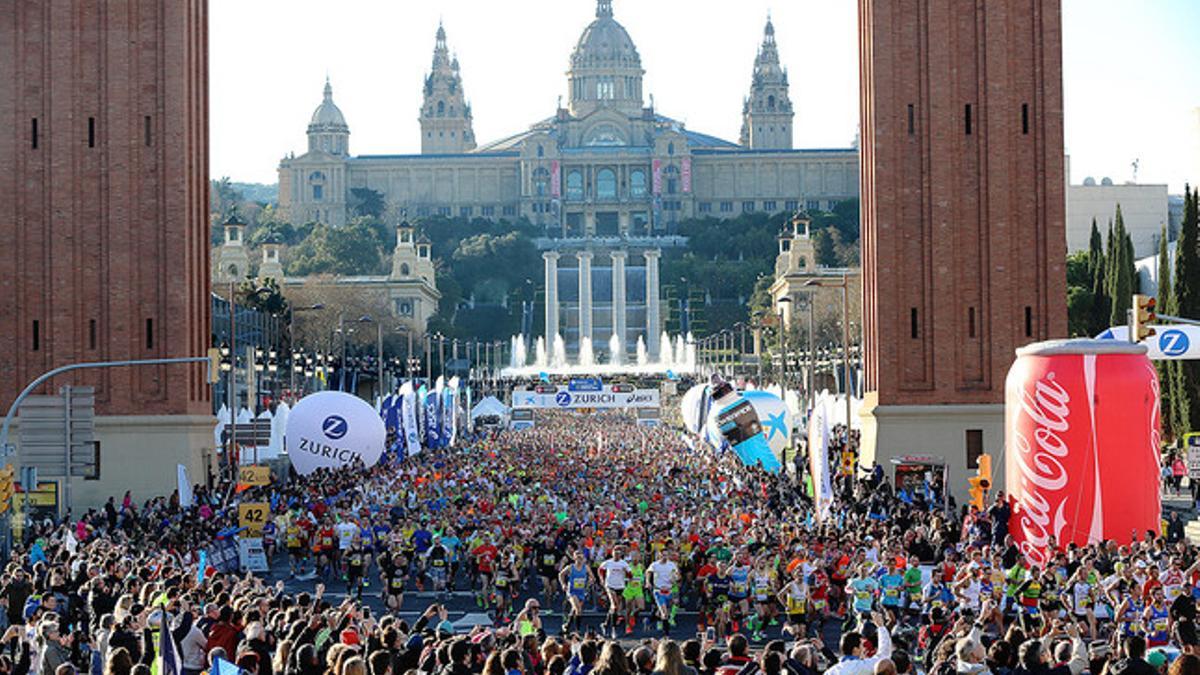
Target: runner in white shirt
{"type": "Point", "coordinates": [664, 573]}
{"type": "Point", "coordinates": [615, 571]}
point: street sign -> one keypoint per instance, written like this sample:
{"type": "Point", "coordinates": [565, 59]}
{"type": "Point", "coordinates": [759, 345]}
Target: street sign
{"type": "Point", "coordinates": [1170, 341]}
{"type": "Point", "coordinates": [51, 424]}
{"type": "Point", "coordinates": [255, 433]}
{"type": "Point", "coordinates": [252, 516]}
{"type": "Point", "coordinates": [1192, 443]}
{"type": "Point", "coordinates": [254, 475]}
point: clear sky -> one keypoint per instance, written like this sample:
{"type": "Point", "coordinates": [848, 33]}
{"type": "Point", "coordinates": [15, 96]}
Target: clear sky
{"type": "Point", "coordinates": [1131, 72]}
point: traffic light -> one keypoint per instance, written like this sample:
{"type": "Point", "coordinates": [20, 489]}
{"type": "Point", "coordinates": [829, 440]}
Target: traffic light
{"type": "Point", "coordinates": [6, 487]}
{"type": "Point", "coordinates": [981, 482]}
{"type": "Point", "coordinates": [1143, 314]}
{"type": "Point", "coordinates": [213, 373]}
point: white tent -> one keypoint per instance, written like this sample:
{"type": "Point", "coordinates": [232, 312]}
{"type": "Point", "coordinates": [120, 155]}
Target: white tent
{"type": "Point", "coordinates": [489, 406]}
{"type": "Point", "coordinates": [222, 421]}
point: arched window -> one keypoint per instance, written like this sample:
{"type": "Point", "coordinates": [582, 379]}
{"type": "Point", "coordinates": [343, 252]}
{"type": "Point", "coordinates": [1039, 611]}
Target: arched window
{"type": "Point", "coordinates": [637, 183]}
{"type": "Point", "coordinates": [671, 148]}
{"type": "Point", "coordinates": [541, 182]}
{"type": "Point", "coordinates": [404, 271]}
{"type": "Point", "coordinates": [441, 108]}
{"type": "Point", "coordinates": [575, 185]}
{"type": "Point", "coordinates": [771, 102]}
{"type": "Point", "coordinates": [606, 184]}
{"type": "Point", "coordinates": [802, 263]}
{"type": "Point", "coordinates": [541, 151]}
{"type": "Point", "coordinates": [233, 270]}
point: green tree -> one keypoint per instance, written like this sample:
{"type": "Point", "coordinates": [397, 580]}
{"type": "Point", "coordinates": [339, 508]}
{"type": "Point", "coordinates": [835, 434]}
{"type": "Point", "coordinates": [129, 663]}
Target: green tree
{"type": "Point", "coordinates": [346, 251]}
{"type": "Point", "coordinates": [1080, 299]}
{"type": "Point", "coordinates": [1165, 300]}
{"type": "Point", "coordinates": [265, 295]}
{"type": "Point", "coordinates": [1120, 287]}
{"type": "Point", "coordinates": [1098, 263]}
{"type": "Point", "coordinates": [365, 202]}
{"type": "Point", "coordinates": [1186, 301]}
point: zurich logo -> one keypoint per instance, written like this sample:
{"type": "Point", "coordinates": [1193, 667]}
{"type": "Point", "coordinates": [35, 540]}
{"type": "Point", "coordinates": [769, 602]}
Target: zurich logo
{"type": "Point", "coordinates": [334, 427]}
{"type": "Point", "coordinates": [1173, 343]}
{"type": "Point", "coordinates": [563, 398]}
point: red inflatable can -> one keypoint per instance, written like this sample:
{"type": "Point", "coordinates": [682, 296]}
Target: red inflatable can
{"type": "Point", "coordinates": [1082, 445]}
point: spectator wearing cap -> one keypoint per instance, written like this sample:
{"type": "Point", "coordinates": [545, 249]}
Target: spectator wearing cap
{"type": "Point", "coordinates": [56, 648]}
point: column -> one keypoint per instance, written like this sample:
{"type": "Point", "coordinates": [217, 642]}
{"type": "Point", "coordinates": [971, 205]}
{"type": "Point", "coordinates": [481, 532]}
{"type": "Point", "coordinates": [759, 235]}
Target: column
{"type": "Point", "coordinates": [551, 265]}
{"type": "Point", "coordinates": [618, 298]}
{"type": "Point", "coordinates": [653, 324]}
{"type": "Point", "coordinates": [585, 295]}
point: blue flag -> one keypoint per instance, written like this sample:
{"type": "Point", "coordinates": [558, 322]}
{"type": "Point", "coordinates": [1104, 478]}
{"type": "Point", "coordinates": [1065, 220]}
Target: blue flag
{"type": "Point", "coordinates": [169, 662]}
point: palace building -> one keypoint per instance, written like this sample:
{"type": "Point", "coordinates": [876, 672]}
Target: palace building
{"type": "Point", "coordinates": [605, 173]}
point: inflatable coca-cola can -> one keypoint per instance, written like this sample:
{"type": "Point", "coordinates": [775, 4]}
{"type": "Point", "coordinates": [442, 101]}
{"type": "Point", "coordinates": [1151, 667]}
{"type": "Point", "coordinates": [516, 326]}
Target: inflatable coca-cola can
{"type": "Point", "coordinates": [1082, 445]}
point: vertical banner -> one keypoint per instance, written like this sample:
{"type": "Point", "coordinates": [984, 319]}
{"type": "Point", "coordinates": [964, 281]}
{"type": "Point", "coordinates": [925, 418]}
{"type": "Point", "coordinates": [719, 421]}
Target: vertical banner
{"type": "Point", "coordinates": [656, 179]}
{"type": "Point", "coordinates": [818, 457]}
{"type": "Point", "coordinates": [555, 179]}
{"type": "Point", "coordinates": [422, 417]}
{"type": "Point", "coordinates": [408, 419]}
{"type": "Point", "coordinates": [686, 172]}
{"type": "Point", "coordinates": [185, 486]}
{"type": "Point", "coordinates": [432, 419]}
{"type": "Point", "coordinates": [450, 412]}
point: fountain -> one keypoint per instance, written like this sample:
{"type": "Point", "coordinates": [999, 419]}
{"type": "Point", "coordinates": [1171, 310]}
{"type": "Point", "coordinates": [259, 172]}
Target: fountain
{"type": "Point", "coordinates": [519, 357]}
{"type": "Point", "coordinates": [587, 356]}
{"type": "Point", "coordinates": [558, 359]}
{"type": "Point", "coordinates": [549, 357]}
{"type": "Point", "coordinates": [664, 350]}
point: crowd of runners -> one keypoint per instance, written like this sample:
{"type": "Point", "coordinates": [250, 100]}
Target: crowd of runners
{"type": "Point", "coordinates": [586, 541]}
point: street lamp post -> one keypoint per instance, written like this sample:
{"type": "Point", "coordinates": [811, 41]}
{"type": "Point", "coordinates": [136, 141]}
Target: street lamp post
{"type": "Point", "coordinates": [784, 302]}
{"type": "Point", "coordinates": [292, 337]}
{"type": "Point", "coordinates": [844, 284]}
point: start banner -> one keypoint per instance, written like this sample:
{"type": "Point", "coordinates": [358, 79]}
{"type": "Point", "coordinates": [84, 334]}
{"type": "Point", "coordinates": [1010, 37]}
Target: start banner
{"type": "Point", "coordinates": [564, 399]}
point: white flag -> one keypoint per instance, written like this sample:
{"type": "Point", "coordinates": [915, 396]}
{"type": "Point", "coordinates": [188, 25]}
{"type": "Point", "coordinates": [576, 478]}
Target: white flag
{"type": "Point", "coordinates": [818, 457]}
{"type": "Point", "coordinates": [185, 487]}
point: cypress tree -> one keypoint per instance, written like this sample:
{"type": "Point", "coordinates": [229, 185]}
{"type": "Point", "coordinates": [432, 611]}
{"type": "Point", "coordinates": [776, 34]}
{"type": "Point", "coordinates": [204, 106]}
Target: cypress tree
{"type": "Point", "coordinates": [1166, 370]}
{"type": "Point", "coordinates": [1100, 305]}
{"type": "Point", "coordinates": [1121, 281]}
{"type": "Point", "coordinates": [1098, 316]}
{"type": "Point", "coordinates": [1187, 304]}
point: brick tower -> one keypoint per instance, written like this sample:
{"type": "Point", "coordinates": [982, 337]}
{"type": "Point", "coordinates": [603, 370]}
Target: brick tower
{"type": "Point", "coordinates": [963, 235]}
{"type": "Point", "coordinates": [104, 178]}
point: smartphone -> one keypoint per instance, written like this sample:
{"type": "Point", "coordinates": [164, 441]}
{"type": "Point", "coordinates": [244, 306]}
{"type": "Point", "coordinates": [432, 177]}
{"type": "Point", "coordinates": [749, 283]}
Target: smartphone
{"type": "Point", "coordinates": [710, 634]}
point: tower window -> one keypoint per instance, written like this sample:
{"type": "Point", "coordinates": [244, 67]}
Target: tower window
{"type": "Point", "coordinates": [967, 118]}
{"type": "Point", "coordinates": [91, 132]}
{"type": "Point", "coordinates": [91, 333]}
{"type": "Point", "coordinates": [146, 130]}
{"type": "Point", "coordinates": [37, 335]}
{"type": "Point", "coordinates": [35, 134]}
{"type": "Point", "coordinates": [971, 322]}
{"type": "Point", "coordinates": [441, 108]}
{"type": "Point", "coordinates": [1025, 118]}
{"type": "Point", "coordinates": [912, 120]}
{"type": "Point", "coordinates": [771, 102]}
{"type": "Point", "coordinates": [1028, 321]}
{"type": "Point", "coordinates": [541, 151]}
{"type": "Point", "coordinates": [912, 318]}
{"type": "Point", "coordinates": [670, 148]}
{"type": "Point", "coordinates": [149, 333]}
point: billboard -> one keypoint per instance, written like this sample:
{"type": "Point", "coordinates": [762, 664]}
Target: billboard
{"type": "Point", "coordinates": [562, 398]}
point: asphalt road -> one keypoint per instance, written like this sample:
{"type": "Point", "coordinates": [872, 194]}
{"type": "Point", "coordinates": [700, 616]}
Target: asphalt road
{"type": "Point", "coordinates": [464, 612]}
